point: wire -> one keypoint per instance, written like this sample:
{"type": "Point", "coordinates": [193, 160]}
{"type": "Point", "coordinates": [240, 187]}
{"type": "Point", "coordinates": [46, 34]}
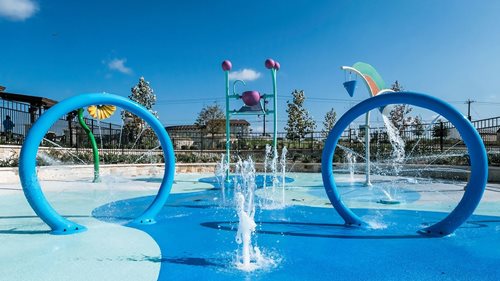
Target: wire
{"type": "Point", "coordinates": [189, 101]}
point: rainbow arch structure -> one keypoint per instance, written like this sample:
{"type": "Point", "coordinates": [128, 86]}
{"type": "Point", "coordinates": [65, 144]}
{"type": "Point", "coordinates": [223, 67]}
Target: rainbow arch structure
{"type": "Point", "coordinates": [372, 78]}
{"type": "Point", "coordinates": [375, 86]}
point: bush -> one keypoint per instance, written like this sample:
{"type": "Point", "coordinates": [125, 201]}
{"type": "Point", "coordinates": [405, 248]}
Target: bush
{"type": "Point", "coordinates": [494, 159]}
{"type": "Point", "coordinates": [11, 161]}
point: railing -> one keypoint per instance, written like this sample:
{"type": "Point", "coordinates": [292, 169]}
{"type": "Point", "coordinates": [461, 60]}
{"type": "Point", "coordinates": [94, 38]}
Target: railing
{"type": "Point", "coordinates": [66, 132]}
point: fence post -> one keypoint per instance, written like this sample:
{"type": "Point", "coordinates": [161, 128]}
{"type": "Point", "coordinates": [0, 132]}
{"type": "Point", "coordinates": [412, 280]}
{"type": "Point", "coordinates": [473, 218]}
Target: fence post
{"type": "Point", "coordinates": [350, 138]}
{"type": "Point", "coordinates": [110, 134]}
{"type": "Point", "coordinates": [312, 143]}
{"type": "Point", "coordinates": [201, 143]}
{"type": "Point", "coordinates": [441, 136]}
{"type": "Point", "coordinates": [70, 127]}
{"type": "Point", "coordinates": [92, 126]}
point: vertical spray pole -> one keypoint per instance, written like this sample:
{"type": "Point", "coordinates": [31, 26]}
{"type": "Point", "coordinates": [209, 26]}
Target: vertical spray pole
{"type": "Point", "coordinates": [91, 137]}
{"type": "Point", "coordinates": [367, 116]}
{"type": "Point", "coordinates": [226, 66]}
{"type": "Point", "coordinates": [275, 110]}
{"type": "Point", "coordinates": [274, 66]}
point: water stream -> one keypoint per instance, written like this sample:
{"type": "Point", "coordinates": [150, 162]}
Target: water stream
{"type": "Point", "coordinates": [149, 154]}
{"type": "Point", "coordinates": [249, 257]}
{"type": "Point", "coordinates": [351, 162]}
{"type": "Point", "coordinates": [65, 150]}
{"type": "Point", "coordinates": [398, 145]}
{"type": "Point", "coordinates": [221, 170]}
{"type": "Point", "coordinates": [271, 198]}
{"type": "Point", "coordinates": [284, 151]}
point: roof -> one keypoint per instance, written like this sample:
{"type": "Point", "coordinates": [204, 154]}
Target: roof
{"type": "Point", "coordinates": [234, 122]}
{"type": "Point", "coordinates": [32, 100]}
{"type": "Point", "coordinates": [182, 128]}
{"type": "Point", "coordinates": [239, 122]}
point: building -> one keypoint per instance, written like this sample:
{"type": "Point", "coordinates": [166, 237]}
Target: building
{"type": "Point", "coordinates": [23, 110]}
{"type": "Point", "coordinates": [211, 136]}
{"type": "Point", "coordinates": [185, 136]}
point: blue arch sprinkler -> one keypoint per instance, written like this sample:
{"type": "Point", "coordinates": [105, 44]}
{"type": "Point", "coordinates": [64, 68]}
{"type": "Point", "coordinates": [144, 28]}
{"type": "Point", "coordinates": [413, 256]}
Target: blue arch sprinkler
{"type": "Point", "coordinates": [254, 104]}
{"type": "Point", "coordinates": [478, 158]}
{"type": "Point", "coordinates": [27, 159]}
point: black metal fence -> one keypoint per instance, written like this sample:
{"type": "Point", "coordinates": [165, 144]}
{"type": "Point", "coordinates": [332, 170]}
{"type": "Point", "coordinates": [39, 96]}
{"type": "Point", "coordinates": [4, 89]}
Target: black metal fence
{"type": "Point", "coordinates": [433, 136]}
{"type": "Point", "coordinates": [66, 132]}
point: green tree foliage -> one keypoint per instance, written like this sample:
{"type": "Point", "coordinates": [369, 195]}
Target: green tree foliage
{"type": "Point", "coordinates": [418, 126]}
{"type": "Point", "coordinates": [399, 115]}
{"type": "Point", "coordinates": [211, 120]}
{"type": "Point", "coordinates": [438, 130]}
{"type": "Point", "coordinates": [135, 127]}
{"type": "Point", "coordinates": [299, 122]}
{"type": "Point", "coordinates": [396, 87]}
{"type": "Point", "coordinates": [329, 122]}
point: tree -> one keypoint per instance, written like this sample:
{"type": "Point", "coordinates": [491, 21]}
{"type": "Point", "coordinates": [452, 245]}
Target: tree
{"type": "Point", "coordinates": [396, 87]}
{"type": "Point", "coordinates": [439, 131]}
{"type": "Point", "coordinates": [418, 126]}
{"type": "Point", "coordinates": [329, 122]}
{"type": "Point", "coordinates": [211, 120]}
{"type": "Point", "coordinates": [134, 126]}
{"type": "Point", "coordinates": [399, 113]}
{"type": "Point", "coordinates": [299, 122]}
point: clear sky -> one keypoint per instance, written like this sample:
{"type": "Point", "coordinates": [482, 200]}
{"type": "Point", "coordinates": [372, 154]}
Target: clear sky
{"type": "Point", "coordinates": [57, 49]}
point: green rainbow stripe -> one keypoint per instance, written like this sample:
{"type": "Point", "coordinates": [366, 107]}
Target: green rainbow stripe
{"type": "Point", "coordinates": [375, 81]}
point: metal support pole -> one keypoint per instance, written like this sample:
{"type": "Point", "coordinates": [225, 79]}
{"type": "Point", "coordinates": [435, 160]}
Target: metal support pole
{"type": "Point", "coordinates": [228, 127]}
{"type": "Point", "coordinates": [275, 108]}
{"type": "Point", "coordinates": [367, 121]}
{"type": "Point", "coordinates": [468, 102]}
{"type": "Point", "coordinates": [264, 118]}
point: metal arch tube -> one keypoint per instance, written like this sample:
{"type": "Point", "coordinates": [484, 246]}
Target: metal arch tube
{"type": "Point", "coordinates": [352, 69]}
{"type": "Point", "coordinates": [234, 87]}
{"type": "Point", "coordinates": [27, 159]}
{"type": "Point", "coordinates": [478, 159]}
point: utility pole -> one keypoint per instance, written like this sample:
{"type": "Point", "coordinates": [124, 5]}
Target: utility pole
{"type": "Point", "coordinates": [468, 102]}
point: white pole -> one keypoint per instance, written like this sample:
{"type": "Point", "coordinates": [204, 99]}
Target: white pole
{"type": "Point", "coordinates": [367, 125]}
{"type": "Point", "coordinates": [367, 149]}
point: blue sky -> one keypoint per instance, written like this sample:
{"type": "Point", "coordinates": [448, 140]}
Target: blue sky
{"type": "Point", "coordinates": [57, 49]}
